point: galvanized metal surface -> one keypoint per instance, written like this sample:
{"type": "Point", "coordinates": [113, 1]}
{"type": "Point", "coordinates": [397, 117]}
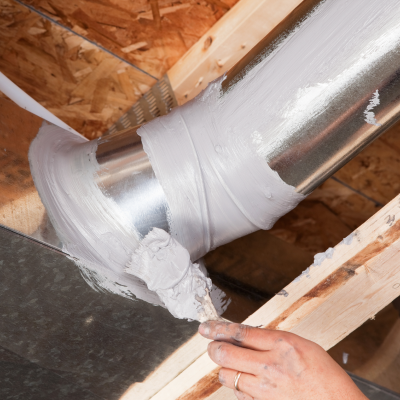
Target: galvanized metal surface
{"type": "Point", "coordinates": [61, 339]}
{"type": "Point", "coordinates": [337, 133]}
{"type": "Point", "coordinates": [127, 176]}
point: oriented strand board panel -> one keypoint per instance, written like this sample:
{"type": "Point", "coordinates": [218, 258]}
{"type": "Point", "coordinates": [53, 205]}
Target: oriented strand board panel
{"type": "Point", "coordinates": [82, 85]}
{"type": "Point", "coordinates": [128, 28]}
{"type": "Point", "coordinates": [20, 205]}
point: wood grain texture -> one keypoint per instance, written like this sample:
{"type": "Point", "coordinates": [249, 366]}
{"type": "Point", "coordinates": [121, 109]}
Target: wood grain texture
{"type": "Point", "coordinates": [20, 205]}
{"type": "Point", "coordinates": [237, 32]}
{"type": "Point", "coordinates": [117, 25]}
{"type": "Point", "coordinates": [325, 304]}
{"type": "Point", "coordinates": [168, 370]}
{"type": "Point", "coordinates": [62, 71]}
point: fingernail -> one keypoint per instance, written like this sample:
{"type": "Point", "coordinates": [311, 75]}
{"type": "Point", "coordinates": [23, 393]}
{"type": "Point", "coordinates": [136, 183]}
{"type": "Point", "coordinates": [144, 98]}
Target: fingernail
{"type": "Point", "coordinates": [204, 329]}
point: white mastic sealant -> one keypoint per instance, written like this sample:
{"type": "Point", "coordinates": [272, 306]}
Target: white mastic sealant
{"type": "Point", "coordinates": [210, 154]}
{"type": "Point", "coordinates": [91, 227]}
{"type": "Point", "coordinates": [166, 268]}
{"type": "Point", "coordinates": [319, 258]}
{"type": "Point", "coordinates": [97, 236]}
{"type": "Point", "coordinates": [348, 240]}
{"type": "Point", "coordinates": [369, 114]}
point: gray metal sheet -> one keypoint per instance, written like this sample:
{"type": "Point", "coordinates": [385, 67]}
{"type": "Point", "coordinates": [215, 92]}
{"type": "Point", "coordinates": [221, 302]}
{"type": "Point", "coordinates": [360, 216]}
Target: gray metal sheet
{"type": "Point", "coordinates": [59, 336]}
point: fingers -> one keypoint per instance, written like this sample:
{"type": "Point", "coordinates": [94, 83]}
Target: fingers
{"type": "Point", "coordinates": [240, 335]}
{"type": "Point", "coordinates": [238, 358]}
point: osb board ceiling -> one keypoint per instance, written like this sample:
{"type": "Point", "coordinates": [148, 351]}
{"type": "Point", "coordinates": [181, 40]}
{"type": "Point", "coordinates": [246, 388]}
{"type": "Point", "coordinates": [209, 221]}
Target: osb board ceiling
{"type": "Point", "coordinates": [86, 87]}
{"type": "Point", "coordinates": [128, 27]}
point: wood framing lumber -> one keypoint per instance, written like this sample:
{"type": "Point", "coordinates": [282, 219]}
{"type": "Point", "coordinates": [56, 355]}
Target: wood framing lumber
{"type": "Point", "coordinates": [237, 32]}
{"type": "Point", "coordinates": [325, 304]}
{"type": "Point", "coordinates": [168, 370]}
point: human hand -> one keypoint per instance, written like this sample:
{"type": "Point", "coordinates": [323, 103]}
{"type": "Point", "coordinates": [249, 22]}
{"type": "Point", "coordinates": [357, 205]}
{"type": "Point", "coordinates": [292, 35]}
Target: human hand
{"type": "Point", "coordinates": [275, 365]}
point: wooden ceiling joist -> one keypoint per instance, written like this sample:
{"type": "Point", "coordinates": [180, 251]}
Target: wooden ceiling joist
{"type": "Point", "coordinates": [230, 39]}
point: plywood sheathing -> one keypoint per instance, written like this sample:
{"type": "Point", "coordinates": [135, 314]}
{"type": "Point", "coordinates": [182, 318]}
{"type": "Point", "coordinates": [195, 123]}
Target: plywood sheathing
{"type": "Point", "coordinates": [62, 71]}
{"type": "Point", "coordinates": [128, 28]}
{"type": "Point", "coordinates": [84, 86]}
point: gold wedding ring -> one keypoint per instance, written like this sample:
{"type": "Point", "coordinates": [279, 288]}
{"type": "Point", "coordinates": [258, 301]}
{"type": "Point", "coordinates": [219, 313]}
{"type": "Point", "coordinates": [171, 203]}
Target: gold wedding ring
{"type": "Point", "coordinates": [237, 377]}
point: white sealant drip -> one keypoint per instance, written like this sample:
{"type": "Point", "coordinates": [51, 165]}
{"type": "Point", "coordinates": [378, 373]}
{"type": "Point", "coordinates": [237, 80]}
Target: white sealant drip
{"type": "Point", "coordinates": [370, 115]}
{"type": "Point", "coordinates": [319, 258]}
{"type": "Point", "coordinates": [166, 268]}
{"type": "Point", "coordinates": [348, 240]}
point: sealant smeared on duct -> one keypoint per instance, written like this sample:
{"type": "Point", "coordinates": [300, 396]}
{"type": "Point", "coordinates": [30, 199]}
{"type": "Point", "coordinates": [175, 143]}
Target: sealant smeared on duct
{"type": "Point", "coordinates": [166, 268]}
{"type": "Point", "coordinates": [94, 232]}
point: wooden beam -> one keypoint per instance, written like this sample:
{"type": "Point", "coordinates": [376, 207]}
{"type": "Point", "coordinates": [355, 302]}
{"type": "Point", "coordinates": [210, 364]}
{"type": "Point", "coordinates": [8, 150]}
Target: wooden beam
{"type": "Point", "coordinates": [168, 370]}
{"type": "Point", "coordinates": [324, 305]}
{"type": "Point", "coordinates": [237, 32]}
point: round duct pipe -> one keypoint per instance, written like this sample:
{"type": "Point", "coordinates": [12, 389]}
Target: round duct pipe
{"type": "Point", "coordinates": [309, 150]}
{"type": "Point", "coordinates": [308, 98]}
